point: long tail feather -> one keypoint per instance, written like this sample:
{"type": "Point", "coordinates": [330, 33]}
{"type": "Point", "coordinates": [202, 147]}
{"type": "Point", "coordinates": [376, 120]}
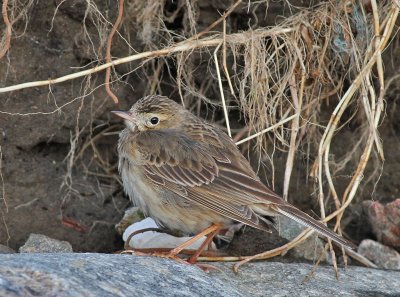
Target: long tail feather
{"type": "Point", "coordinates": [304, 219]}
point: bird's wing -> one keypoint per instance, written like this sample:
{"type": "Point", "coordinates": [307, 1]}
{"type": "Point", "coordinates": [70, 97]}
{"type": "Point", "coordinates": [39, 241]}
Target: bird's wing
{"type": "Point", "coordinates": [201, 172]}
{"type": "Point", "coordinates": [206, 168]}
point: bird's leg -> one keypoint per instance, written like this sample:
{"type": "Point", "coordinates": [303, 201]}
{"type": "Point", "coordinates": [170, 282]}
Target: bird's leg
{"type": "Point", "coordinates": [177, 250]}
{"type": "Point", "coordinates": [208, 231]}
{"type": "Point", "coordinates": [147, 251]}
{"type": "Point", "coordinates": [207, 242]}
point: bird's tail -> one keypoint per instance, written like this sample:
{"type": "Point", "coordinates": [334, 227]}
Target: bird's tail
{"type": "Point", "coordinates": [305, 220]}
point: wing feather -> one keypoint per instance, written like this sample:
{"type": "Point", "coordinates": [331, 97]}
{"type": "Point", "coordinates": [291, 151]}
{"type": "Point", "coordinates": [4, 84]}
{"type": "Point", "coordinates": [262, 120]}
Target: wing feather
{"type": "Point", "coordinates": [196, 167]}
{"type": "Point", "coordinates": [204, 172]}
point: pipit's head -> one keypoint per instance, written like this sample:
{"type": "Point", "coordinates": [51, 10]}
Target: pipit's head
{"type": "Point", "coordinates": [153, 113]}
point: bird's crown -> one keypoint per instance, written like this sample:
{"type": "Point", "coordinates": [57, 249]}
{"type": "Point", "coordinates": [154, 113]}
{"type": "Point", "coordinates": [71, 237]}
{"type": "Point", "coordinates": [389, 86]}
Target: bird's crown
{"type": "Point", "coordinates": [156, 104]}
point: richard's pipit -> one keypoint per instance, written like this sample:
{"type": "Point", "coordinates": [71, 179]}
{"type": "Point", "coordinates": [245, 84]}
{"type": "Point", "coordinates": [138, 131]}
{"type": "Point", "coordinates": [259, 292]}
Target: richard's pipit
{"type": "Point", "coordinates": [189, 176]}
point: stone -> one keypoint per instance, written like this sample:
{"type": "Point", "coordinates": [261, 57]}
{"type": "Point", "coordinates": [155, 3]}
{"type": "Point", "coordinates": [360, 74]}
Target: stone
{"type": "Point", "coordinates": [38, 243]}
{"type": "Point", "coordinates": [383, 256]}
{"type": "Point", "coordinates": [385, 221]}
{"type": "Point", "coordinates": [6, 250]}
{"type": "Point", "coordinates": [71, 275]}
{"type": "Point", "coordinates": [293, 279]}
{"type": "Point", "coordinates": [104, 275]}
{"type": "Point", "coordinates": [310, 249]}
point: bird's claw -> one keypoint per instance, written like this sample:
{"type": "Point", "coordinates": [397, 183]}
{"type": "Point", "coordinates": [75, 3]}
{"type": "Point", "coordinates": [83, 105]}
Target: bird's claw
{"type": "Point", "coordinates": [168, 255]}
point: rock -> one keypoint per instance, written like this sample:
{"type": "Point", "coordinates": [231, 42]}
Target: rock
{"type": "Point", "coordinates": [125, 275]}
{"type": "Point", "coordinates": [310, 249]}
{"type": "Point", "coordinates": [104, 275]}
{"type": "Point", "coordinates": [282, 279]}
{"type": "Point", "coordinates": [383, 256]}
{"type": "Point", "coordinates": [385, 221]}
{"type": "Point", "coordinates": [6, 250]}
{"type": "Point", "coordinates": [38, 243]}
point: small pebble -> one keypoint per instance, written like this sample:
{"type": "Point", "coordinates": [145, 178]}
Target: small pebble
{"type": "Point", "coordinates": [310, 249]}
{"type": "Point", "coordinates": [38, 243]}
{"type": "Point", "coordinates": [383, 256]}
{"type": "Point", "coordinates": [385, 221]}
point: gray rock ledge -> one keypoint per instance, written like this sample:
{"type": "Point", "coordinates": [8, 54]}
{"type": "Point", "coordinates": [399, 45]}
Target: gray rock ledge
{"type": "Point", "coordinates": [126, 275]}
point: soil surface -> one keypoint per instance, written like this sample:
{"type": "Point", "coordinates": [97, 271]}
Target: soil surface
{"type": "Point", "coordinates": [45, 194]}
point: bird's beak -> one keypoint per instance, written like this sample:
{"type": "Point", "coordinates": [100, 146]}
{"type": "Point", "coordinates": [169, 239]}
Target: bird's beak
{"type": "Point", "coordinates": [124, 114]}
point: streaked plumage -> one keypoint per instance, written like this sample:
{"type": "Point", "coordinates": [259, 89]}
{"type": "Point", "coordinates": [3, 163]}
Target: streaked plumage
{"type": "Point", "coordinates": [188, 174]}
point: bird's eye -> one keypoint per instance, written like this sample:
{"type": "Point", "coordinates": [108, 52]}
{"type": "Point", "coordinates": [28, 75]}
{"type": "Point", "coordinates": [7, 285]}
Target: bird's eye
{"type": "Point", "coordinates": [154, 121]}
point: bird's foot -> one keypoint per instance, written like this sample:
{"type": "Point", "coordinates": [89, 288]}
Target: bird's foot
{"type": "Point", "coordinates": [161, 253]}
{"type": "Point", "coordinates": [210, 232]}
{"type": "Point", "coordinates": [170, 255]}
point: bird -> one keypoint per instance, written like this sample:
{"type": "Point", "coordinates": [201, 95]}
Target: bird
{"type": "Point", "coordinates": [190, 177]}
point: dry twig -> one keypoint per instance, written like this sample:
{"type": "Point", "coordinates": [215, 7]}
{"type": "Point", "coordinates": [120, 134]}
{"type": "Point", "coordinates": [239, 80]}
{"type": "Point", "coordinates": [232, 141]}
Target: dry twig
{"type": "Point", "coordinates": [108, 50]}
